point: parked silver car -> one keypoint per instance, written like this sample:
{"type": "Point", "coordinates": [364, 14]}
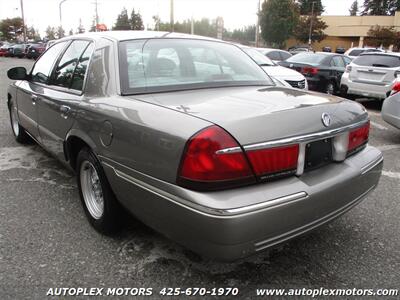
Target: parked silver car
{"type": "Point", "coordinates": [391, 106]}
{"type": "Point", "coordinates": [276, 55]}
{"type": "Point", "coordinates": [192, 137]}
{"type": "Point", "coordinates": [370, 75]}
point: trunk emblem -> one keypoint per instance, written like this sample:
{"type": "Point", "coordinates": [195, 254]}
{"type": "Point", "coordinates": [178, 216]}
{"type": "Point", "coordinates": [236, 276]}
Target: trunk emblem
{"type": "Point", "coordinates": [326, 119]}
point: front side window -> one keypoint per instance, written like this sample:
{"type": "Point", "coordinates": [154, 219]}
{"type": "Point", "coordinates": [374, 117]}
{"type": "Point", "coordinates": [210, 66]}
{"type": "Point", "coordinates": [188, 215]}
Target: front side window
{"type": "Point", "coordinates": [81, 68]}
{"type": "Point", "coordinates": [42, 68]}
{"type": "Point", "coordinates": [177, 64]}
{"type": "Point", "coordinates": [274, 55]}
{"type": "Point", "coordinates": [66, 67]}
{"type": "Point", "coordinates": [337, 62]}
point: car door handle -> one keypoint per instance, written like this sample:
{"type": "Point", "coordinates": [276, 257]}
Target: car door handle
{"type": "Point", "coordinates": [65, 109]}
{"type": "Point", "coordinates": [34, 98]}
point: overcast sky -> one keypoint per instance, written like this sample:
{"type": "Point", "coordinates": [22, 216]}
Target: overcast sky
{"type": "Point", "coordinates": [236, 13]}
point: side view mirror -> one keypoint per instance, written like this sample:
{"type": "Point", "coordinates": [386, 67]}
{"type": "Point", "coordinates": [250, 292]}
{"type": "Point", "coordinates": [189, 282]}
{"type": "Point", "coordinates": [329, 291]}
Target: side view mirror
{"type": "Point", "coordinates": [17, 73]}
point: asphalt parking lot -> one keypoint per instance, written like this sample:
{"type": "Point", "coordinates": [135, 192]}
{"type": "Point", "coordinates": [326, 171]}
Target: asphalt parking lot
{"type": "Point", "coordinates": [45, 240]}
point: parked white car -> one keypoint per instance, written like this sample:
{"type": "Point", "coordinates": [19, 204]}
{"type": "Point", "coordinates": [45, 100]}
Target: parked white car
{"type": "Point", "coordinates": [371, 75]}
{"type": "Point", "coordinates": [391, 106]}
{"type": "Point", "coordinates": [292, 77]}
{"type": "Point", "coordinates": [357, 51]}
{"type": "Point", "coordinates": [276, 55]}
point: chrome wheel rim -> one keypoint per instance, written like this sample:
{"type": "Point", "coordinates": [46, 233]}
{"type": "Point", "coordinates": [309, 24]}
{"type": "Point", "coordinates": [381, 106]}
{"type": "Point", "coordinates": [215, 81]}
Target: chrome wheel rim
{"type": "Point", "coordinates": [91, 190]}
{"type": "Point", "coordinates": [329, 89]}
{"type": "Point", "coordinates": [14, 121]}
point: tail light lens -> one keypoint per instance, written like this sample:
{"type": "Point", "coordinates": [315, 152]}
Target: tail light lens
{"type": "Point", "coordinates": [395, 88]}
{"type": "Point", "coordinates": [274, 162]}
{"type": "Point", "coordinates": [357, 138]}
{"type": "Point", "coordinates": [348, 69]}
{"type": "Point", "coordinates": [205, 167]}
{"type": "Point", "coordinates": [309, 70]}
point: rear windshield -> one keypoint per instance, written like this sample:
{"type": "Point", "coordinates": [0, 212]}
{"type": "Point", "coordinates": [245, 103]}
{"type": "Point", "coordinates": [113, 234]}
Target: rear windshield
{"type": "Point", "coordinates": [376, 60]}
{"type": "Point", "coordinates": [260, 59]}
{"type": "Point", "coordinates": [307, 58]}
{"type": "Point", "coordinates": [179, 64]}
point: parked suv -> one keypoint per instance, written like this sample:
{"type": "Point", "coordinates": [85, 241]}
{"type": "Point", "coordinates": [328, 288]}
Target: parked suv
{"type": "Point", "coordinates": [371, 75]}
{"type": "Point", "coordinates": [354, 52]}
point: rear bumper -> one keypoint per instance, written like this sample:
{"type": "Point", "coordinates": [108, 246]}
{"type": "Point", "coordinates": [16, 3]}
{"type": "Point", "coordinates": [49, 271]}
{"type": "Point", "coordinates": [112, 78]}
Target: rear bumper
{"type": "Point", "coordinates": [365, 89]}
{"type": "Point", "coordinates": [275, 211]}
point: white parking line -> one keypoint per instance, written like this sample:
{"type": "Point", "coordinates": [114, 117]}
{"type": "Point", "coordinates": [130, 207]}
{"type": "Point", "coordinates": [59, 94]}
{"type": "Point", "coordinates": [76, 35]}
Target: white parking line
{"type": "Point", "coordinates": [379, 126]}
{"type": "Point", "coordinates": [395, 175]}
{"type": "Point", "coordinates": [373, 113]}
{"type": "Point", "coordinates": [388, 147]}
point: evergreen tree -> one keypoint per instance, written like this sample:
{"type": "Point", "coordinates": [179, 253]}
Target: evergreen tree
{"type": "Point", "coordinates": [302, 30]}
{"type": "Point", "coordinates": [33, 34]}
{"type": "Point", "coordinates": [50, 33]}
{"type": "Point", "coordinates": [380, 7]}
{"type": "Point", "coordinates": [136, 21]}
{"type": "Point", "coordinates": [354, 8]}
{"type": "Point", "coordinates": [80, 28]}
{"type": "Point", "coordinates": [60, 32]}
{"type": "Point", "coordinates": [71, 32]}
{"type": "Point", "coordinates": [278, 18]}
{"type": "Point", "coordinates": [306, 7]}
{"type": "Point", "coordinates": [123, 22]}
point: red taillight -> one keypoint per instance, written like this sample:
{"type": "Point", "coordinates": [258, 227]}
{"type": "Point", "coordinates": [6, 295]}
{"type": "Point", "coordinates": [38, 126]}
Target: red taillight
{"type": "Point", "coordinates": [309, 70]}
{"type": "Point", "coordinates": [358, 137]}
{"type": "Point", "coordinates": [204, 166]}
{"type": "Point", "coordinates": [274, 161]}
{"type": "Point", "coordinates": [395, 88]}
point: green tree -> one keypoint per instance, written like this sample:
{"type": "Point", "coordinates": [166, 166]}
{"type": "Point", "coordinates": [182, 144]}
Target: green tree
{"type": "Point", "coordinates": [305, 7]}
{"type": "Point", "coordinates": [380, 7]}
{"type": "Point", "coordinates": [278, 19]}
{"type": "Point", "coordinates": [60, 33]}
{"type": "Point", "coordinates": [354, 8]}
{"type": "Point", "coordinates": [71, 32]}
{"type": "Point", "coordinates": [50, 33]}
{"type": "Point", "coordinates": [122, 22]}
{"type": "Point", "coordinates": [10, 28]}
{"type": "Point", "coordinates": [381, 36]}
{"type": "Point", "coordinates": [302, 30]}
{"type": "Point", "coordinates": [32, 34]}
{"type": "Point", "coordinates": [136, 21]}
{"type": "Point", "coordinates": [204, 27]}
{"type": "Point", "coordinates": [244, 35]}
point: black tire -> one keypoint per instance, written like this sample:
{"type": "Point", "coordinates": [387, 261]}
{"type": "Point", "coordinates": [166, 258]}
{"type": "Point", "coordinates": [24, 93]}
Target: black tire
{"type": "Point", "coordinates": [330, 88]}
{"type": "Point", "coordinates": [19, 132]}
{"type": "Point", "coordinates": [109, 221]}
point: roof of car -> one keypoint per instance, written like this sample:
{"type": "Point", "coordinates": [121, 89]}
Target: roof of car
{"type": "Point", "coordinates": [381, 53]}
{"type": "Point", "coordinates": [270, 49]}
{"type": "Point", "coordinates": [136, 34]}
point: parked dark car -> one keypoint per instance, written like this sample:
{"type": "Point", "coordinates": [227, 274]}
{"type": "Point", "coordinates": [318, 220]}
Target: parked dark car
{"type": "Point", "coordinates": [340, 50]}
{"type": "Point", "coordinates": [322, 70]}
{"type": "Point", "coordinates": [35, 50]}
{"type": "Point", "coordinates": [16, 50]}
{"type": "Point", "coordinates": [193, 138]}
{"type": "Point", "coordinates": [326, 49]}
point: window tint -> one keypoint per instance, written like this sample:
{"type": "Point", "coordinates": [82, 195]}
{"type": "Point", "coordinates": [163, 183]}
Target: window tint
{"type": "Point", "coordinates": [337, 62]}
{"type": "Point", "coordinates": [347, 60]}
{"type": "Point", "coordinates": [176, 64]}
{"type": "Point", "coordinates": [41, 70]}
{"type": "Point", "coordinates": [308, 58]}
{"type": "Point", "coordinates": [356, 52]}
{"type": "Point", "coordinates": [66, 66]}
{"type": "Point", "coordinates": [258, 57]}
{"type": "Point", "coordinates": [285, 55]}
{"type": "Point", "coordinates": [80, 70]}
{"type": "Point", "coordinates": [376, 60]}
{"type": "Point", "coordinates": [274, 55]}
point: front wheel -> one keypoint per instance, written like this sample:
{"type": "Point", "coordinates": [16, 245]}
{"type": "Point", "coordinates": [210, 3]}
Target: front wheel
{"type": "Point", "coordinates": [99, 203]}
{"type": "Point", "coordinates": [19, 133]}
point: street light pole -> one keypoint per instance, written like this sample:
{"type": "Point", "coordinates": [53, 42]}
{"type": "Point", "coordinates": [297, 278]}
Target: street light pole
{"type": "Point", "coordinates": [311, 25]}
{"type": "Point", "coordinates": [258, 25]}
{"type": "Point", "coordinates": [172, 15]}
{"type": "Point", "coordinates": [23, 20]}
{"type": "Point", "coordinates": [59, 7]}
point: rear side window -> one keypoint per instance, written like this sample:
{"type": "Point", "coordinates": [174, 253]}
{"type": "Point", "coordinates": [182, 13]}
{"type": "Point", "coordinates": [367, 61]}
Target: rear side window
{"type": "Point", "coordinates": [376, 60]}
{"type": "Point", "coordinates": [41, 70]}
{"type": "Point", "coordinates": [356, 52]}
{"type": "Point", "coordinates": [66, 67]}
{"type": "Point", "coordinates": [274, 55]}
{"type": "Point", "coordinates": [285, 55]}
{"type": "Point", "coordinates": [337, 62]}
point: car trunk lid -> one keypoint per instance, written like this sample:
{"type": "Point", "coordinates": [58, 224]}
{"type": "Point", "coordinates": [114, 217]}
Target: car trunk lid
{"type": "Point", "coordinates": [254, 115]}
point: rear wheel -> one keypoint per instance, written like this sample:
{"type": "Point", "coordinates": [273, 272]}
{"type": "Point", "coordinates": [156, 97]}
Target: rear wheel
{"type": "Point", "coordinates": [330, 88]}
{"type": "Point", "coordinates": [19, 133]}
{"type": "Point", "coordinates": [99, 203]}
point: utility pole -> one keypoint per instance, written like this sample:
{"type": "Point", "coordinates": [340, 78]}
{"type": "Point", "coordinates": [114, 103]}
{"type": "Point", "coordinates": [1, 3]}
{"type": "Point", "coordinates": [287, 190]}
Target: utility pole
{"type": "Point", "coordinates": [172, 15]}
{"type": "Point", "coordinates": [23, 20]}
{"type": "Point", "coordinates": [258, 25]}
{"type": "Point", "coordinates": [192, 25]}
{"type": "Point", "coordinates": [311, 25]}
{"type": "Point", "coordinates": [60, 12]}
{"type": "Point", "coordinates": [97, 14]}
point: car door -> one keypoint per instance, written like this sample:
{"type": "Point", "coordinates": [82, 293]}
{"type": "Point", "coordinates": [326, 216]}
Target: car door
{"type": "Point", "coordinates": [337, 69]}
{"type": "Point", "coordinates": [61, 97]}
{"type": "Point", "coordinates": [29, 90]}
